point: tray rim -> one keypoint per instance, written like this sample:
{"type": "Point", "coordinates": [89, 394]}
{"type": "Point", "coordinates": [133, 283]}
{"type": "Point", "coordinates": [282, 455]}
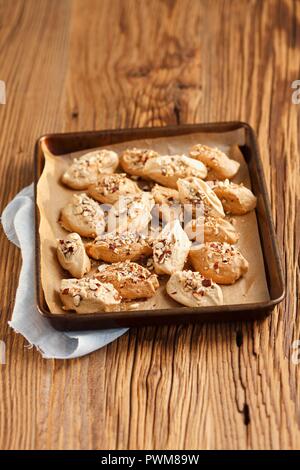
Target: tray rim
{"type": "Point", "coordinates": [213, 127]}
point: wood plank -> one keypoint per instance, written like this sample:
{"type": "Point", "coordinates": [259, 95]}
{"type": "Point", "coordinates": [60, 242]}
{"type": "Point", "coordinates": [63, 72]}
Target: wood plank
{"type": "Point", "coordinates": [91, 64]}
{"type": "Point", "coordinates": [33, 60]}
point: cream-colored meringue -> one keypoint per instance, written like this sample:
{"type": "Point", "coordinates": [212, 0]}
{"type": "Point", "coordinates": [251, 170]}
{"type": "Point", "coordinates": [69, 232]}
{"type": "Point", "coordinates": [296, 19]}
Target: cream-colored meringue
{"type": "Point", "coordinates": [133, 160]}
{"type": "Point", "coordinates": [131, 280]}
{"type": "Point", "coordinates": [88, 295]}
{"type": "Point", "coordinates": [219, 165]}
{"type": "Point", "coordinates": [131, 213]}
{"type": "Point", "coordinates": [236, 198]}
{"type": "Point", "coordinates": [114, 247]}
{"type": "Point", "coordinates": [209, 229]}
{"type": "Point", "coordinates": [83, 215]}
{"type": "Point", "coordinates": [170, 249]}
{"type": "Point", "coordinates": [167, 169]}
{"type": "Point", "coordinates": [221, 262]}
{"type": "Point", "coordinates": [168, 203]}
{"type": "Point", "coordinates": [109, 188]}
{"type": "Point", "coordinates": [72, 256]}
{"type": "Point", "coordinates": [163, 195]}
{"type": "Point", "coordinates": [86, 169]}
{"type": "Point", "coordinates": [196, 192]}
{"type": "Point", "coordinates": [193, 290]}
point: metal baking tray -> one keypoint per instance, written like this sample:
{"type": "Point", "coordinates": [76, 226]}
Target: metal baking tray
{"type": "Point", "coordinates": [60, 144]}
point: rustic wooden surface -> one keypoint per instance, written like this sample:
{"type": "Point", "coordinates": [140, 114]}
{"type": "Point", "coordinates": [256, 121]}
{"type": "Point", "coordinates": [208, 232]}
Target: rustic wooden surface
{"type": "Point", "coordinates": [94, 64]}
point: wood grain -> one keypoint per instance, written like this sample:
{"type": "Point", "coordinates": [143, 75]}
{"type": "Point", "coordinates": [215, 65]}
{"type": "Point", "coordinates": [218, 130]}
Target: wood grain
{"type": "Point", "coordinates": [93, 64]}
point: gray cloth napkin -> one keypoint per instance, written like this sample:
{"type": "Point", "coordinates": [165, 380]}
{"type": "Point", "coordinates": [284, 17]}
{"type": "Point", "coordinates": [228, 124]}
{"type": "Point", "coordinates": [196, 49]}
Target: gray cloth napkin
{"type": "Point", "coordinates": [18, 223]}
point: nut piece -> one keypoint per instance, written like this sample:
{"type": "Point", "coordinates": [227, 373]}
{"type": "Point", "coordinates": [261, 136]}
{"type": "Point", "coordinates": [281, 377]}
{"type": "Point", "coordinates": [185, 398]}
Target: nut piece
{"type": "Point", "coordinates": [170, 249]}
{"type": "Point", "coordinates": [83, 215]}
{"type": "Point", "coordinates": [131, 280]}
{"type": "Point", "coordinates": [113, 247]}
{"type": "Point", "coordinates": [88, 295]}
{"type": "Point", "coordinates": [209, 229]}
{"type": "Point", "coordinates": [133, 160]}
{"type": "Point", "coordinates": [193, 290]}
{"type": "Point", "coordinates": [109, 188]}
{"type": "Point", "coordinates": [236, 198]}
{"type": "Point", "coordinates": [219, 165]}
{"type": "Point", "coordinates": [86, 169]}
{"type": "Point", "coordinates": [131, 213]}
{"type": "Point", "coordinates": [221, 262]}
{"type": "Point", "coordinates": [72, 256]}
{"type": "Point", "coordinates": [196, 192]}
{"type": "Point", "coordinates": [168, 169]}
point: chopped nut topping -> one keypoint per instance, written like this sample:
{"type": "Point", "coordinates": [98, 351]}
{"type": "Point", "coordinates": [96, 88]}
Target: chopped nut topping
{"type": "Point", "coordinates": [138, 157]}
{"type": "Point", "coordinates": [114, 241]}
{"type": "Point", "coordinates": [84, 288]}
{"type": "Point", "coordinates": [212, 153]}
{"type": "Point", "coordinates": [95, 161]}
{"type": "Point", "coordinates": [69, 247]}
{"type": "Point", "coordinates": [86, 206]}
{"type": "Point", "coordinates": [178, 165]}
{"type": "Point", "coordinates": [194, 281]}
{"type": "Point", "coordinates": [125, 269]}
{"type": "Point", "coordinates": [111, 183]}
{"type": "Point", "coordinates": [220, 253]}
{"type": "Point", "coordinates": [163, 249]}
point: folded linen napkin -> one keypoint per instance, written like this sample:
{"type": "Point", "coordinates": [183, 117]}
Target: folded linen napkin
{"type": "Point", "coordinates": [18, 223]}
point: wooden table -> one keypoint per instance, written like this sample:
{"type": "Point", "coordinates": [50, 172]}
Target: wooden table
{"type": "Point", "coordinates": [95, 64]}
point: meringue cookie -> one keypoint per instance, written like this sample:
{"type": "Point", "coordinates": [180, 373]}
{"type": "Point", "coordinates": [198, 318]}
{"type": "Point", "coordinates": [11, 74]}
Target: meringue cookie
{"type": "Point", "coordinates": [114, 247]}
{"type": "Point", "coordinates": [133, 160]}
{"type": "Point", "coordinates": [83, 215]}
{"type": "Point", "coordinates": [220, 166]}
{"type": "Point", "coordinates": [131, 213]}
{"type": "Point", "coordinates": [193, 290]}
{"type": "Point", "coordinates": [166, 170]}
{"type": "Point", "coordinates": [221, 262]}
{"type": "Point", "coordinates": [196, 192]}
{"type": "Point", "coordinates": [163, 195]}
{"type": "Point", "coordinates": [169, 205]}
{"type": "Point", "coordinates": [72, 256]}
{"type": "Point", "coordinates": [131, 280]}
{"type": "Point", "coordinates": [109, 188]}
{"type": "Point", "coordinates": [236, 198]}
{"type": "Point", "coordinates": [86, 169]}
{"type": "Point", "coordinates": [170, 249]}
{"type": "Point", "coordinates": [88, 295]}
{"type": "Point", "coordinates": [209, 229]}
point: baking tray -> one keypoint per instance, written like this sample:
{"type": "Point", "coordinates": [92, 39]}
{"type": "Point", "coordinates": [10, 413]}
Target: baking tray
{"type": "Point", "coordinates": [60, 144]}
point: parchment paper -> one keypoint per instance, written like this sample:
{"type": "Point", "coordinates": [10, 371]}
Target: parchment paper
{"type": "Point", "coordinates": [52, 196]}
